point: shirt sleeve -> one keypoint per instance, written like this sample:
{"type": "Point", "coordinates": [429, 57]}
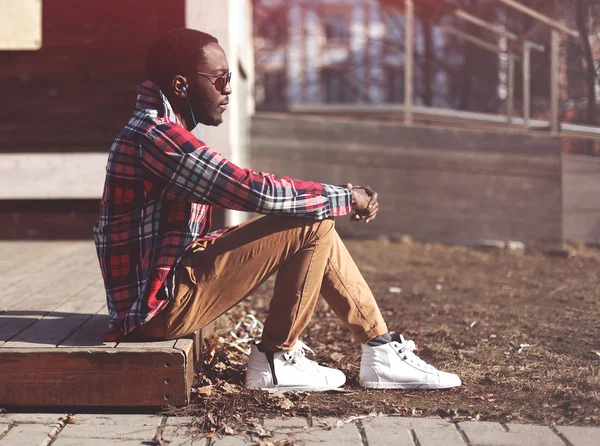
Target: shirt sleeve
{"type": "Point", "coordinates": [182, 167]}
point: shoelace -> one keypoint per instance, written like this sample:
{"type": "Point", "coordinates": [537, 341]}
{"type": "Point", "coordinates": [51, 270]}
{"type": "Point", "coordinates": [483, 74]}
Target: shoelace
{"type": "Point", "coordinates": [406, 348]}
{"type": "Point", "coordinates": [299, 354]}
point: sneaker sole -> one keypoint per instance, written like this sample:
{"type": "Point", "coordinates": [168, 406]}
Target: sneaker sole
{"type": "Point", "coordinates": [298, 389]}
{"type": "Point", "coordinates": [379, 385]}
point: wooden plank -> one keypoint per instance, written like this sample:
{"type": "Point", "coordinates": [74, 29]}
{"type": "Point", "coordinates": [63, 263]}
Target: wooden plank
{"type": "Point", "coordinates": [147, 345]}
{"type": "Point", "coordinates": [60, 323]}
{"type": "Point", "coordinates": [194, 343]}
{"type": "Point", "coordinates": [21, 313]}
{"type": "Point", "coordinates": [36, 255]}
{"type": "Point", "coordinates": [43, 290]}
{"type": "Point", "coordinates": [91, 334]}
{"type": "Point", "coordinates": [14, 322]}
{"type": "Point", "coordinates": [93, 377]}
{"type": "Point", "coordinates": [186, 346]}
{"type": "Point", "coordinates": [14, 254]}
{"type": "Point", "coordinates": [30, 285]}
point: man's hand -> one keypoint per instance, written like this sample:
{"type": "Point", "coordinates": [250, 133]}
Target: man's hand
{"type": "Point", "coordinates": [364, 203]}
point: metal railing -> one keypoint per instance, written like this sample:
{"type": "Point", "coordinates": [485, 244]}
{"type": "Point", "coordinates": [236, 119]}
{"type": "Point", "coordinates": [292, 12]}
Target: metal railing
{"type": "Point", "coordinates": [447, 116]}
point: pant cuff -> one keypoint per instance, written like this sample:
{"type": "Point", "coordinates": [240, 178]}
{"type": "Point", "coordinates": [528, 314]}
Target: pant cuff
{"type": "Point", "coordinates": [366, 336]}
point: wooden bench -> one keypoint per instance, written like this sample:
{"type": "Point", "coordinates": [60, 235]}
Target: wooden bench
{"type": "Point", "coordinates": [52, 321]}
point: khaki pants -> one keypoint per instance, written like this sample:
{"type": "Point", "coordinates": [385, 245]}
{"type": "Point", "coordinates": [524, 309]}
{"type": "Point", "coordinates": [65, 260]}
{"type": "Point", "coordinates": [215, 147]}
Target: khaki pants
{"type": "Point", "coordinates": [310, 258]}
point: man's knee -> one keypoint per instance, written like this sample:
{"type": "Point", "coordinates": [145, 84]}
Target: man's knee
{"type": "Point", "coordinates": [324, 228]}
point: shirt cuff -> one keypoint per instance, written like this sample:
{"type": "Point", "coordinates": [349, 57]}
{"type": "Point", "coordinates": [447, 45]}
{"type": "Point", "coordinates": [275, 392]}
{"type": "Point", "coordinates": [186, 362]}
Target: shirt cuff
{"type": "Point", "coordinates": [340, 200]}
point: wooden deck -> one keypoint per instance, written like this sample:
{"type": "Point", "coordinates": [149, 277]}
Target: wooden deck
{"type": "Point", "coordinates": [52, 321]}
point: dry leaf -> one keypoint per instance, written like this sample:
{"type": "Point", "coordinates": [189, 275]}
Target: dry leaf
{"type": "Point", "coordinates": [259, 430]}
{"type": "Point", "coordinates": [277, 395]}
{"type": "Point", "coordinates": [205, 390]}
{"type": "Point", "coordinates": [286, 404]}
{"type": "Point", "coordinates": [228, 388]}
{"type": "Point", "coordinates": [337, 357]}
{"type": "Point", "coordinates": [211, 419]}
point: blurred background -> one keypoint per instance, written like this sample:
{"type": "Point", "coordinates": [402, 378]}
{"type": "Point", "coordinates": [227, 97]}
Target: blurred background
{"type": "Point", "coordinates": [474, 119]}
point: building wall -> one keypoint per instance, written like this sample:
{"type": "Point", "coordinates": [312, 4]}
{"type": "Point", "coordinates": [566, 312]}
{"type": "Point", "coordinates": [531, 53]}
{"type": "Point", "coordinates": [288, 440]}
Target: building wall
{"type": "Point", "coordinates": [455, 186]}
{"type": "Point", "coordinates": [581, 178]}
{"type": "Point", "coordinates": [230, 21]}
{"type": "Point", "coordinates": [63, 105]}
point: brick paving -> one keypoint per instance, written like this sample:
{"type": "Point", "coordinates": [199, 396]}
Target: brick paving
{"type": "Point", "coordinates": [130, 430]}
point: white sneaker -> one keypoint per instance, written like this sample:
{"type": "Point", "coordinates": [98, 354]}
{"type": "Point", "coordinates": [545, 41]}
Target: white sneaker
{"type": "Point", "coordinates": [395, 366]}
{"type": "Point", "coordinates": [290, 371]}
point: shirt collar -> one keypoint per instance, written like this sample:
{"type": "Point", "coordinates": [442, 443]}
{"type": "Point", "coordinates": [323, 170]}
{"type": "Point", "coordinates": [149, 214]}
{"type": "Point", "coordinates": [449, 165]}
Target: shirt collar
{"type": "Point", "coordinates": [151, 100]}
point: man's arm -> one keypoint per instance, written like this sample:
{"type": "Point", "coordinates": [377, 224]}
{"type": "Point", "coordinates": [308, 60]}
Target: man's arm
{"type": "Point", "coordinates": [183, 167]}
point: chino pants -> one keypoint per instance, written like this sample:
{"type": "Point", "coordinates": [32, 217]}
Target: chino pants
{"type": "Point", "coordinates": [308, 255]}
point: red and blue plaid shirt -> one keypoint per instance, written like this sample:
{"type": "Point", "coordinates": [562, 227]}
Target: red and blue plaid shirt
{"type": "Point", "coordinates": [161, 186]}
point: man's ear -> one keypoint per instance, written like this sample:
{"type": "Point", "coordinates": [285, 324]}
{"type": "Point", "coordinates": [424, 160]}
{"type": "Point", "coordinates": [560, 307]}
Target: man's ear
{"type": "Point", "coordinates": [179, 86]}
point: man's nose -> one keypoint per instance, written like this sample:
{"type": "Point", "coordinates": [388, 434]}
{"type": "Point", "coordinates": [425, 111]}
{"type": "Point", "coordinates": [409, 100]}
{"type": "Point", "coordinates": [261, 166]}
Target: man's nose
{"type": "Point", "coordinates": [227, 89]}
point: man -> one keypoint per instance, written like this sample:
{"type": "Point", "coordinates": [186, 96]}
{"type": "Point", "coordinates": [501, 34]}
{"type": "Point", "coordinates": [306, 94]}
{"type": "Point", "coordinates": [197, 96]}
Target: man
{"type": "Point", "coordinates": [167, 275]}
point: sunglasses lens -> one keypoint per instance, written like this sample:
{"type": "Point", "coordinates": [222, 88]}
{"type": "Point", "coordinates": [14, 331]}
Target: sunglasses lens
{"type": "Point", "coordinates": [223, 81]}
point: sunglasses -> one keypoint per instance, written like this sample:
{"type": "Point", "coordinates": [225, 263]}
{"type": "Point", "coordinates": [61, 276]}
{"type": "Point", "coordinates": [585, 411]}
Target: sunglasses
{"type": "Point", "coordinates": [221, 81]}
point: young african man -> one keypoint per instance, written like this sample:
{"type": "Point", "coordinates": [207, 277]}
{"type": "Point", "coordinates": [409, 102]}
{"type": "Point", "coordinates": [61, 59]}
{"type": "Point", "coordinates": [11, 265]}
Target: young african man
{"type": "Point", "coordinates": [167, 275]}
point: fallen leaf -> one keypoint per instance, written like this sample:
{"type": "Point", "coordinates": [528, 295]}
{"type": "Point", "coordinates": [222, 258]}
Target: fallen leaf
{"type": "Point", "coordinates": [211, 419]}
{"type": "Point", "coordinates": [337, 357]}
{"type": "Point", "coordinates": [228, 388]}
{"type": "Point", "coordinates": [205, 390]}
{"type": "Point", "coordinates": [277, 395]}
{"type": "Point", "coordinates": [286, 404]}
{"type": "Point", "coordinates": [257, 428]}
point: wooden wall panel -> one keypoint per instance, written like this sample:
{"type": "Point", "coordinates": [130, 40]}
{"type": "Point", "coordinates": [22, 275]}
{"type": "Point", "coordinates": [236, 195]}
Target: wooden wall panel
{"type": "Point", "coordinates": [77, 92]}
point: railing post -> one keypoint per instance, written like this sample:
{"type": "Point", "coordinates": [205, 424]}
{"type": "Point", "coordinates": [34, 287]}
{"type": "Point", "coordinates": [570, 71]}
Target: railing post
{"type": "Point", "coordinates": [526, 84]}
{"type": "Point", "coordinates": [554, 92]}
{"type": "Point", "coordinates": [409, 62]}
{"type": "Point", "coordinates": [510, 106]}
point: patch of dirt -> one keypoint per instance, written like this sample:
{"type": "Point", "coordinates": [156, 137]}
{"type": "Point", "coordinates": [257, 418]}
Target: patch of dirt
{"type": "Point", "coordinates": [522, 332]}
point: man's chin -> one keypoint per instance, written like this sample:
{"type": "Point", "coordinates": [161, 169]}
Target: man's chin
{"type": "Point", "coordinates": [213, 121]}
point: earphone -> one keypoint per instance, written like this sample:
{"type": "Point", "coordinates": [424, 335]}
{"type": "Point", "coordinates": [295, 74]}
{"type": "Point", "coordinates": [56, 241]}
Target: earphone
{"type": "Point", "coordinates": [184, 89]}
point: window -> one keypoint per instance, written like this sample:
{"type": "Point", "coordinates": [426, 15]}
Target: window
{"type": "Point", "coordinates": [335, 86]}
{"type": "Point", "coordinates": [394, 83]}
{"type": "Point", "coordinates": [274, 33]}
{"type": "Point", "coordinates": [274, 88]}
{"type": "Point", "coordinates": [336, 29]}
{"type": "Point", "coordinates": [394, 26]}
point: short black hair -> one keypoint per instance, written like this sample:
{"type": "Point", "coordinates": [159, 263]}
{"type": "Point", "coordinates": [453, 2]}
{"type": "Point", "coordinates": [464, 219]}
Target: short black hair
{"type": "Point", "coordinates": [176, 52]}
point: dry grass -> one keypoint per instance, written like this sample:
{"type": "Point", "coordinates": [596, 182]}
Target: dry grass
{"type": "Point", "coordinates": [469, 312]}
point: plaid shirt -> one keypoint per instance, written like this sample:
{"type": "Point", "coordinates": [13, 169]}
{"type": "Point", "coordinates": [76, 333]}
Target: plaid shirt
{"type": "Point", "coordinates": [161, 186]}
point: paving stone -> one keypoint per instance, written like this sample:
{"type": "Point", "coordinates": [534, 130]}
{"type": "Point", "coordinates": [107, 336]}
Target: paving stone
{"type": "Point", "coordinates": [117, 419]}
{"type": "Point", "coordinates": [179, 432]}
{"type": "Point", "coordinates": [396, 431]}
{"type": "Point", "coordinates": [97, 442]}
{"type": "Point", "coordinates": [348, 435]}
{"type": "Point", "coordinates": [108, 431]}
{"type": "Point", "coordinates": [325, 421]}
{"type": "Point", "coordinates": [493, 434]}
{"type": "Point", "coordinates": [26, 434]}
{"type": "Point", "coordinates": [288, 424]}
{"type": "Point", "coordinates": [31, 418]}
{"type": "Point", "coordinates": [580, 436]}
